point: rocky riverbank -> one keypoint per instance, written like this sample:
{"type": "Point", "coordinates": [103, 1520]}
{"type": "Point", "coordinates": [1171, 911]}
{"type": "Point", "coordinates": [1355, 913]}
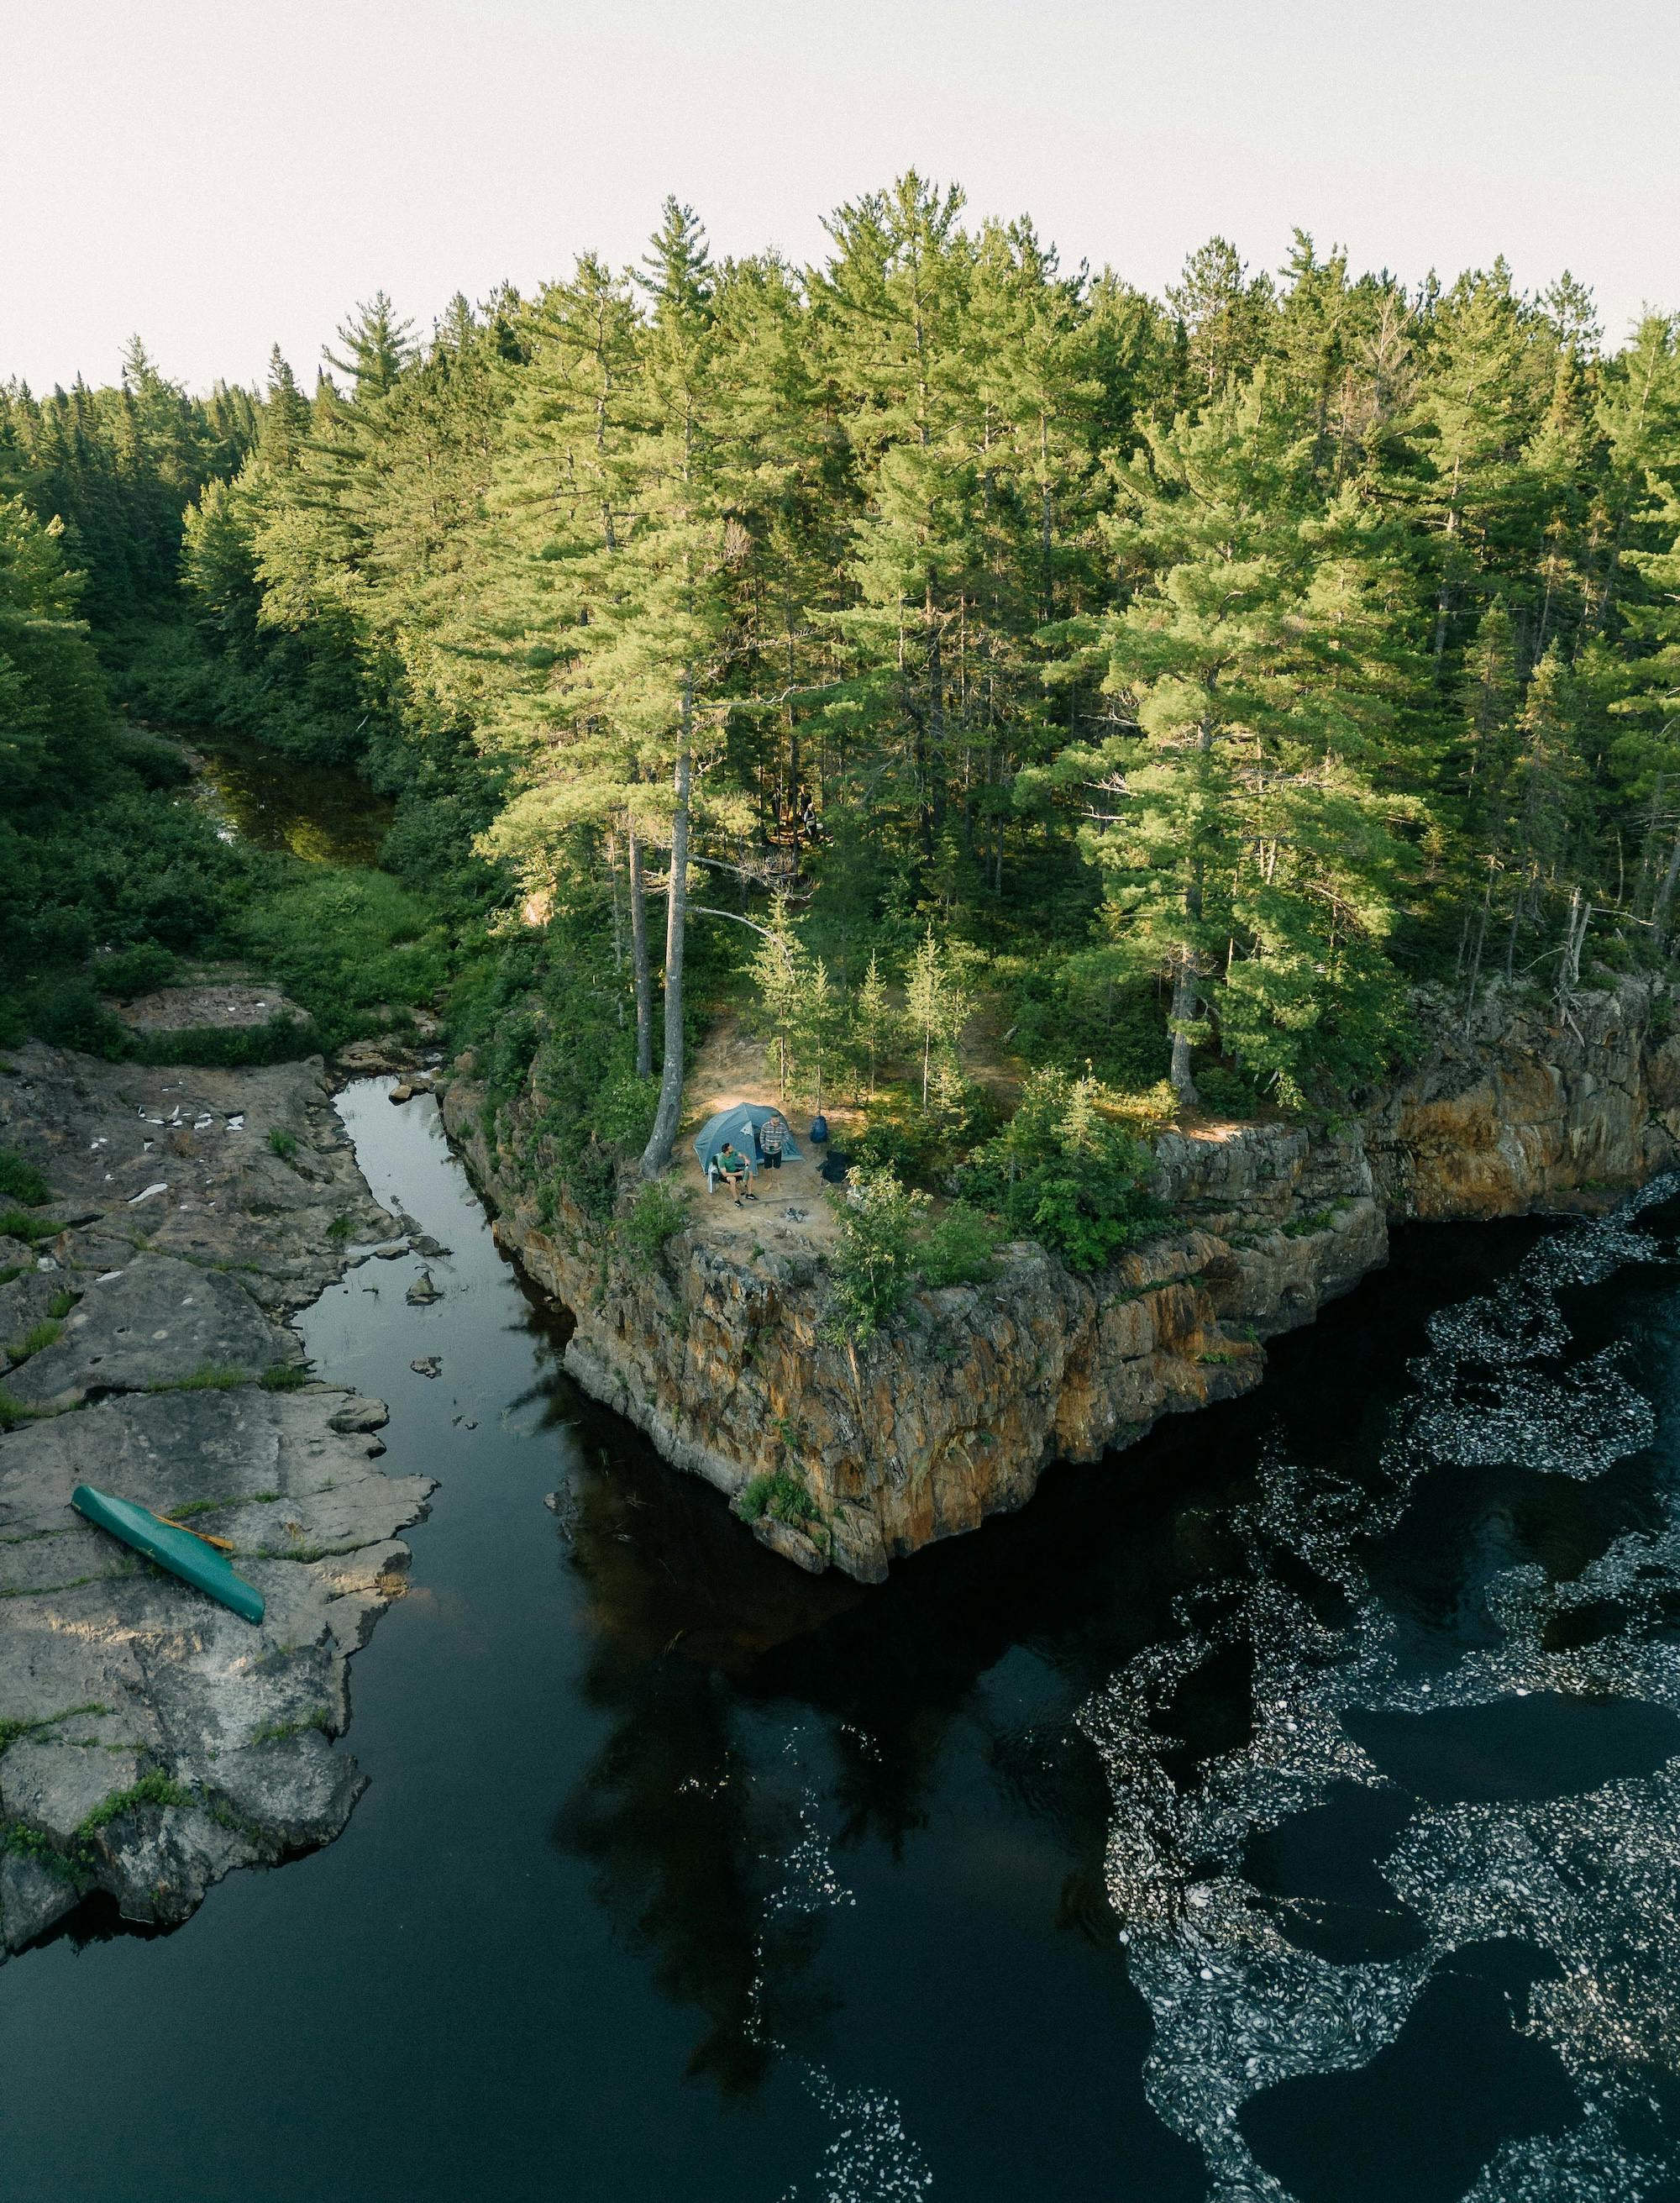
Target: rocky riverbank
{"type": "Point", "coordinates": [952, 1413]}
{"type": "Point", "coordinates": [150, 1740]}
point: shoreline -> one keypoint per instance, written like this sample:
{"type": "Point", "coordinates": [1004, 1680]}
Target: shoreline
{"type": "Point", "coordinates": [150, 1742]}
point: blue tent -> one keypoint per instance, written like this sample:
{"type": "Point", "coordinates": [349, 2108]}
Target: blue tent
{"type": "Point", "coordinates": [740, 1126]}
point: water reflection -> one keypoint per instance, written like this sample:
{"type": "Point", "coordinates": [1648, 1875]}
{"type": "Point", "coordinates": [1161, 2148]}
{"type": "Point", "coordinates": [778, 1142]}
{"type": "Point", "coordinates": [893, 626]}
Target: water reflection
{"type": "Point", "coordinates": [324, 813]}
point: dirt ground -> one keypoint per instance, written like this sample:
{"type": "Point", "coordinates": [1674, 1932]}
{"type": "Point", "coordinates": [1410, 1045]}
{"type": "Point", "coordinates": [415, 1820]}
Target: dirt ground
{"type": "Point", "coordinates": [790, 1210]}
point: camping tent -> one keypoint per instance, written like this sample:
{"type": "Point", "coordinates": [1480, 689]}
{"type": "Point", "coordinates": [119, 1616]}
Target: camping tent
{"type": "Point", "coordinates": [739, 1125]}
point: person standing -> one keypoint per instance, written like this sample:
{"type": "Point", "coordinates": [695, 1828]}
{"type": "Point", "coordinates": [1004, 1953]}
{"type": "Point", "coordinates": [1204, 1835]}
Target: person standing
{"type": "Point", "coordinates": [771, 1134]}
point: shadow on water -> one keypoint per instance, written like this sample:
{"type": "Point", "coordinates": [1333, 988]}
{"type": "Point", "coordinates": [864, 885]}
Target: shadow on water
{"type": "Point", "coordinates": [683, 1874]}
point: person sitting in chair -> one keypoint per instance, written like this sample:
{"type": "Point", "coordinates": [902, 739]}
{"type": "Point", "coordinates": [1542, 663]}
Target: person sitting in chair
{"type": "Point", "coordinates": [731, 1167]}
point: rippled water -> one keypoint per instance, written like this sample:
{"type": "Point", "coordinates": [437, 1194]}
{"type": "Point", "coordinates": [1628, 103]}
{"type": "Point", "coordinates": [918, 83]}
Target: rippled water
{"type": "Point", "coordinates": [1286, 1810]}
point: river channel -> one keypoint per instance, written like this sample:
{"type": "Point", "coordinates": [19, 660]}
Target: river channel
{"type": "Point", "coordinates": [1286, 1810]}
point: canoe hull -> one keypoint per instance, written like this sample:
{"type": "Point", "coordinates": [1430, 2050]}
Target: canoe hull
{"type": "Point", "coordinates": [171, 1548]}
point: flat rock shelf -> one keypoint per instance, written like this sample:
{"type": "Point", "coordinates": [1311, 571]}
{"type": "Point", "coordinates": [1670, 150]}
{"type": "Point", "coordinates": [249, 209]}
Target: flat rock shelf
{"type": "Point", "coordinates": [150, 1740]}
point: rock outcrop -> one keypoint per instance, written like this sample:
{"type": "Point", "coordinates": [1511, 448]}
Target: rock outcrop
{"type": "Point", "coordinates": [150, 1740]}
{"type": "Point", "coordinates": [853, 1459]}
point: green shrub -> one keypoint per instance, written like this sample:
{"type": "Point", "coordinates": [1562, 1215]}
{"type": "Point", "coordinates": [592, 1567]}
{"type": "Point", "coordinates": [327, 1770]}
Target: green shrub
{"type": "Point", "coordinates": [1064, 1173]}
{"type": "Point", "coordinates": [345, 945]}
{"type": "Point", "coordinates": [960, 1250]}
{"type": "Point", "coordinates": [19, 1224]}
{"type": "Point", "coordinates": [780, 1496]}
{"type": "Point", "coordinates": [282, 1142]}
{"type": "Point", "coordinates": [285, 1377]}
{"type": "Point", "coordinates": [873, 1261]}
{"type": "Point", "coordinates": [154, 763]}
{"type": "Point", "coordinates": [657, 1214]}
{"type": "Point", "coordinates": [68, 1013]}
{"type": "Point", "coordinates": [281, 1039]}
{"type": "Point", "coordinates": [1227, 1091]}
{"type": "Point", "coordinates": [129, 972]}
{"type": "Point", "coordinates": [14, 1410]}
{"type": "Point", "coordinates": [154, 1789]}
{"type": "Point", "coordinates": [44, 1334]}
{"type": "Point", "coordinates": [20, 1180]}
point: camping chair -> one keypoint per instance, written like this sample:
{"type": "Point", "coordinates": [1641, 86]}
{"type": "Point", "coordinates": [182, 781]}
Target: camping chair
{"type": "Point", "coordinates": [713, 1173]}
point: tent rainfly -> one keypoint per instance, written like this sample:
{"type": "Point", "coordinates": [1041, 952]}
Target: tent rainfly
{"type": "Point", "coordinates": [739, 1126]}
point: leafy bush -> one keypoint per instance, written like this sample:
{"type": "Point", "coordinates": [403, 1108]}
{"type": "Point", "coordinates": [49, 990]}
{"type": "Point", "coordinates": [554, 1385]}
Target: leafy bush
{"type": "Point", "coordinates": [129, 972]}
{"type": "Point", "coordinates": [782, 1497]}
{"type": "Point", "coordinates": [960, 1250]}
{"type": "Point", "coordinates": [871, 1267]}
{"type": "Point", "coordinates": [19, 1224]}
{"type": "Point", "coordinates": [68, 1013]}
{"type": "Point", "coordinates": [1065, 1173]}
{"type": "Point", "coordinates": [282, 1142]}
{"type": "Point", "coordinates": [923, 1146]}
{"type": "Point", "coordinates": [20, 1180]}
{"type": "Point", "coordinates": [285, 1377]}
{"type": "Point", "coordinates": [280, 1040]}
{"type": "Point", "coordinates": [345, 945]}
{"type": "Point", "coordinates": [657, 1214]}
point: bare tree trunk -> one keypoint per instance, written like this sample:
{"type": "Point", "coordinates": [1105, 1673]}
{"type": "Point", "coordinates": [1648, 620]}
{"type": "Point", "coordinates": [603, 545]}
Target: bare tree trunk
{"type": "Point", "coordinates": [660, 1140]}
{"type": "Point", "coordinates": [644, 984]}
{"type": "Point", "coordinates": [1574, 935]}
{"type": "Point", "coordinates": [1184, 1010]}
{"type": "Point", "coordinates": [1666, 899]}
{"type": "Point", "coordinates": [1481, 942]}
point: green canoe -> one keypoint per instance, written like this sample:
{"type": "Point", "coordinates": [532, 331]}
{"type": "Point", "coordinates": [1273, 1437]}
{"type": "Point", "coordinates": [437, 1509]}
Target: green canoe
{"type": "Point", "coordinates": [171, 1547]}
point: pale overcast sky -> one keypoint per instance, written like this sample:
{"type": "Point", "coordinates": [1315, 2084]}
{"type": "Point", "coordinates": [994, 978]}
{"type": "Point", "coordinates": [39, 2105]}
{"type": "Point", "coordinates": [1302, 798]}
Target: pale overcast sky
{"type": "Point", "coordinates": [217, 173]}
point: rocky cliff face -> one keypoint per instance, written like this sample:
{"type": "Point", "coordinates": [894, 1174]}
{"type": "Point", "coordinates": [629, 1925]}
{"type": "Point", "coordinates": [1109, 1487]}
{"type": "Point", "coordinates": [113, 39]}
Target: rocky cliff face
{"type": "Point", "coordinates": [952, 1414]}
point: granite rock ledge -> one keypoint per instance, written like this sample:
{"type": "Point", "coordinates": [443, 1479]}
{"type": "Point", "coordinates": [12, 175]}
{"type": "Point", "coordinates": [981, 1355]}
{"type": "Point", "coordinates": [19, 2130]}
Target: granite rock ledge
{"type": "Point", "coordinates": [150, 1740]}
{"type": "Point", "coordinates": [952, 1416]}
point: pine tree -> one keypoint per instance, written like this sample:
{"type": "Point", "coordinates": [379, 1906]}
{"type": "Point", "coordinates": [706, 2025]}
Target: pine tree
{"type": "Point", "coordinates": [873, 1020]}
{"type": "Point", "coordinates": [936, 1007]}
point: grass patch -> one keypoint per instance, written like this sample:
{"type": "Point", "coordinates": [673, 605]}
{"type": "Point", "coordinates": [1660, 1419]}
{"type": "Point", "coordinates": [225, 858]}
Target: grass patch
{"type": "Point", "coordinates": [154, 1789]}
{"type": "Point", "coordinates": [234, 1048]}
{"type": "Point", "coordinates": [349, 946]}
{"type": "Point", "coordinates": [40, 1335]}
{"type": "Point", "coordinates": [210, 1376]}
{"type": "Point", "coordinates": [20, 1181]}
{"type": "Point", "coordinates": [19, 1224]}
{"type": "Point", "coordinates": [12, 1732]}
{"type": "Point", "coordinates": [282, 1142]}
{"type": "Point", "coordinates": [282, 1731]}
{"type": "Point", "coordinates": [1303, 1228]}
{"type": "Point", "coordinates": [14, 1410]}
{"type": "Point", "coordinates": [30, 1843]}
{"type": "Point", "coordinates": [285, 1377]}
{"type": "Point", "coordinates": [341, 1230]}
{"type": "Point", "coordinates": [782, 1497]}
{"type": "Point", "coordinates": [61, 1305]}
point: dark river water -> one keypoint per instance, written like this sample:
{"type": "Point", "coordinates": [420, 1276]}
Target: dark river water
{"type": "Point", "coordinates": [1286, 1810]}
{"type": "Point", "coordinates": [325, 813]}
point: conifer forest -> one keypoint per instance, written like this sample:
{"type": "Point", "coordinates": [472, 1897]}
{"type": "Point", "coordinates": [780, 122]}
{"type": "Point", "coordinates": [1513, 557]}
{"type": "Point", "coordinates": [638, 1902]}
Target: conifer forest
{"type": "Point", "coordinates": [944, 651]}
